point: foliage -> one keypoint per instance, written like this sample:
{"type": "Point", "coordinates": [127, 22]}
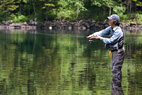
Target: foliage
{"type": "Point", "coordinates": [138, 2]}
{"type": "Point", "coordinates": [68, 9]}
{"type": "Point", "coordinates": [138, 18]}
{"type": "Point", "coordinates": [8, 6]}
{"type": "Point", "coordinates": [133, 17]}
{"type": "Point", "coordinates": [119, 10]}
{"type": "Point", "coordinates": [21, 18]}
{"type": "Point", "coordinates": [108, 3]}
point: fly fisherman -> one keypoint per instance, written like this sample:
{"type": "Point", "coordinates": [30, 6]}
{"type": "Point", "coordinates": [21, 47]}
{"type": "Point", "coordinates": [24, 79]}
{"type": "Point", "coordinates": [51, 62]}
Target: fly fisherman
{"type": "Point", "coordinates": [114, 43]}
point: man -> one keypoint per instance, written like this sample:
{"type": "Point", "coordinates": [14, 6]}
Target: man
{"type": "Point", "coordinates": [114, 43]}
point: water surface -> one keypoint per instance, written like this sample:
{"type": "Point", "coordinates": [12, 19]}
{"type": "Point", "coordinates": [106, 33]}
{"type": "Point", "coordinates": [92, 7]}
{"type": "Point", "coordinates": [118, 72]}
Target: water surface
{"type": "Point", "coordinates": [65, 63]}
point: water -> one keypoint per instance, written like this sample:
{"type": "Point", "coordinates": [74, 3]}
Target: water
{"type": "Point", "coordinates": [57, 63]}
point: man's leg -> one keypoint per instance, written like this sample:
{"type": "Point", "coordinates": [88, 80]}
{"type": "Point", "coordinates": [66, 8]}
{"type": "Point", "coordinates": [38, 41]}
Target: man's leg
{"type": "Point", "coordinates": [116, 62]}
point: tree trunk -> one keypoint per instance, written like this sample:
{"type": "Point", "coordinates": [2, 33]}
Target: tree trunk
{"type": "Point", "coordinates": [47, 12]}
{"type": "Point", "coordinates": [109, 10]}
{"type": "Point", "coordinates": [127, 6]}
{"type": "Point", "coordinates": [34, 8]}
{"type": "Point", "coordinates": [6, 19]}
{"type": "Point", "coordinates": [6, 16]}
{"type": "Point", "coordinates": [20, 8]}
{"type": "Point", "coordinates": [135, 6]}
{"type": "Point", "coordinates": [77, 11]}
{"type": "Point", "coordinates": [46, 15]}
{"type": "Point", "coordinates": [130, 6]}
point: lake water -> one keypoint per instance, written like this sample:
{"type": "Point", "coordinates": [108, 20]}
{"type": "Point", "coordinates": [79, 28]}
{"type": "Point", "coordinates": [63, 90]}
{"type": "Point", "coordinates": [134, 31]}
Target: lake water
{"type": "Point", "coordinates": [65, 63]}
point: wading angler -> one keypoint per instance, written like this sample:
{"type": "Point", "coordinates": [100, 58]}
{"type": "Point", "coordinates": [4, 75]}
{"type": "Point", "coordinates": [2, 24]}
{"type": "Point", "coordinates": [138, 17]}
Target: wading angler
{"type": "Point", "coordinates": [114, 43]}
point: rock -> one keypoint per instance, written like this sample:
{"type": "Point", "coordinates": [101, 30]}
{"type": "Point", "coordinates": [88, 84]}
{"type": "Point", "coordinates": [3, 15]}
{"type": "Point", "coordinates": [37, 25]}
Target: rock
{"type": "Point", "coordinates": [132, 24]}
{"type": "Point", "coordinates": [7, 22]}
{"type": "Point", "coordinates": [32, 22]}
{"type": "Point", "coordinates": [83, 24]}
{"type": "Point", "coordinates": [25, 23]}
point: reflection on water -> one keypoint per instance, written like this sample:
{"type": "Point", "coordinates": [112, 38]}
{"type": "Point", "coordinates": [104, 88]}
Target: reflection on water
{"type": "Point", "coordinates": [65, 64]}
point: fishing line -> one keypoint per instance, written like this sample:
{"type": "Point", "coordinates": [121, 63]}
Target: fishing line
{"type": "Point", "coordinates": [61, 35]}
{"type": "Point", "coordinates": [90, 41]}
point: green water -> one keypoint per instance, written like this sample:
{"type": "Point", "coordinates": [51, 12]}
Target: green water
{"type": "Point", "coordinates": [56, 63]}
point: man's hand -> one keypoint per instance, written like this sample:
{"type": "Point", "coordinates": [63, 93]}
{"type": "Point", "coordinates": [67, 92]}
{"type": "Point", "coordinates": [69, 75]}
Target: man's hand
{"type": "Point", "coordinates": [92, 37]}
{"type": "Point", "coordinates": [97, 37]}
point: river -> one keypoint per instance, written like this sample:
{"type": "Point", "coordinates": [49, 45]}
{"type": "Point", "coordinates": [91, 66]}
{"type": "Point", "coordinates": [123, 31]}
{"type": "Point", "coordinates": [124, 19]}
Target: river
{"type": "Point", "coordinates": [65, 63]}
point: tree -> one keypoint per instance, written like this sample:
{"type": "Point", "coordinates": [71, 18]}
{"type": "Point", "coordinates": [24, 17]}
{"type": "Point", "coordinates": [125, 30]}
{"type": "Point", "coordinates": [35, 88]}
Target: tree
{"type": "Point", "coordinates": [107, 3]}
{"type": "Point", "coordinates": [70, 8]}
{"type": "Point", "coordinates": [111, 4]}
{"type": "Point", "coordinates": [21, 3]}
{"type": "Point", "coordinates": [7, 6]}
{"type": "Point", "coordinates": [49, 7]}
{"type": "Point", "coordinates": [138, 2]}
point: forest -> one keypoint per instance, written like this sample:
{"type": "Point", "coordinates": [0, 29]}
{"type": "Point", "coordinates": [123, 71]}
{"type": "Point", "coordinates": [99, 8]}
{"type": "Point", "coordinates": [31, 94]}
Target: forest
{"type": "Point", "coordinates": [48, 10]}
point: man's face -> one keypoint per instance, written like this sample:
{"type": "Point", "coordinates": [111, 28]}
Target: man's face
{"type": "Point", "coordinates": [110, 22]}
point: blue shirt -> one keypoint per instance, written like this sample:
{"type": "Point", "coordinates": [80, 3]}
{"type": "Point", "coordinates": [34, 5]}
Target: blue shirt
{"type": "Point", "coordinates": [116, 33]}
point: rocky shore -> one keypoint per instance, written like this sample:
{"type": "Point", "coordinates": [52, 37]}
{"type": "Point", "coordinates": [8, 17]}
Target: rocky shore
{"type": "Point", "coordinates": [67, 25]}
{"type": "Point", "coordinates": [9, 25]}
{"type": "Point", "coordinates": [87, 25]}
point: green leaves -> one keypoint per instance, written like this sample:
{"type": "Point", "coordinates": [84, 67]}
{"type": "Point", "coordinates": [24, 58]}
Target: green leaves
{"type": "Point", "coordinates": [106, 3]}
{"type": "Point", "coordinates": [119, 9]}
{"type": "Point", "coordinates": [47, 5]}
{"type": "Point", "coordinates": [21, 18]}
{"type": "Point", "coordinates": [116, 6]}
{"type": "Point", "coordinates": [70, 8]}
{"type": "Point", "coordinates": [8, 5]}
{"type": "Point", "coordinates": [138, 2]}
{"type": "Point", "coordinates": [67, 9]}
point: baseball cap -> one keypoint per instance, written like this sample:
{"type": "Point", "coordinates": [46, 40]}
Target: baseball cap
{"type": "Point", "coordinates": [114, 17]}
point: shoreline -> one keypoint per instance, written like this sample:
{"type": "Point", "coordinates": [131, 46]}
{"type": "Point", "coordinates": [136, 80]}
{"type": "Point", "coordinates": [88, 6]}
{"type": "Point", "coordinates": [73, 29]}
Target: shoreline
{"type": "Point", "coordinates": [81, 25]}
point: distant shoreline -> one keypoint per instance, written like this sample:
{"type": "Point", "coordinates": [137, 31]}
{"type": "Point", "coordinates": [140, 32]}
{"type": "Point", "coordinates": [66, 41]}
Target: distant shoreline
{"type": "Point", "coordinates": [68, 25]}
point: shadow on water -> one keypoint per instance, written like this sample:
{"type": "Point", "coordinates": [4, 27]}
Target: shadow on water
{"type": "Point", "coordinates": [58, 63]}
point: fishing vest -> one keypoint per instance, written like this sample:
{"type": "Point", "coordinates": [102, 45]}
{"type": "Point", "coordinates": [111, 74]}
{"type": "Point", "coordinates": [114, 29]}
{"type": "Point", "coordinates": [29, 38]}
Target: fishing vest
{"type": "Point", "coordinates": [117, 45]}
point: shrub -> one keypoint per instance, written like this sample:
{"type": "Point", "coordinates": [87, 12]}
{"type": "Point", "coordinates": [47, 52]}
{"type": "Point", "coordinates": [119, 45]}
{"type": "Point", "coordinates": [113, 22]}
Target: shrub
{"type": "Point", "coordinates": [21, 18]}
{"type": "Point", "coordinates": [138, 18]}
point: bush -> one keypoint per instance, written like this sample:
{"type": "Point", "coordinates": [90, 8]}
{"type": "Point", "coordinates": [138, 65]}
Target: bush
{"type": "Point", "coordinates": [138, 18]}
{"type": "Point", "coordinates": [21, 18]}
{"type": "Point", "coordinates": [133, 17]}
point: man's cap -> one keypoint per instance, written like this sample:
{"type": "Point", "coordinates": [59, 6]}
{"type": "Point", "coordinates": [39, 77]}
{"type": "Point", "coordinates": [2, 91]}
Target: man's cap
{"type": "Point", "coordinates": [114, 17]}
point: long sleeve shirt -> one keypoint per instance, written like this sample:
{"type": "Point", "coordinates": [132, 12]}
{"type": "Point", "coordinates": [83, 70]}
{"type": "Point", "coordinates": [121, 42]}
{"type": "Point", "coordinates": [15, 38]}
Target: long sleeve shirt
{"type": "Point", "coordinates": [116, 33]}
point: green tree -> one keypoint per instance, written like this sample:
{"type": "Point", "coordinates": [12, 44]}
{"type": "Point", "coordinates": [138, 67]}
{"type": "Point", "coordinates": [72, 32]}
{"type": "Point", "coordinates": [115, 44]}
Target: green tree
{"type": "Point", "coordinates": [21, 3]}
{"type": "Point", "coordinates": [7, 6]}
{"type": "Point", "coordinates": [138, 2]}
{"type": "Point", "coordinates": [49, 7]}
{"type": "Point", "coordinates": [70, 8]}
{"type": "Point", "coordinates": [111, 4]}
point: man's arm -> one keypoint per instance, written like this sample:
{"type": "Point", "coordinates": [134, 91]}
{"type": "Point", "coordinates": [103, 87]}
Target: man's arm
{"type": "Point", "coordinates": [113, 39]}
{"type": "Point", "coordinates": [100, 33]}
